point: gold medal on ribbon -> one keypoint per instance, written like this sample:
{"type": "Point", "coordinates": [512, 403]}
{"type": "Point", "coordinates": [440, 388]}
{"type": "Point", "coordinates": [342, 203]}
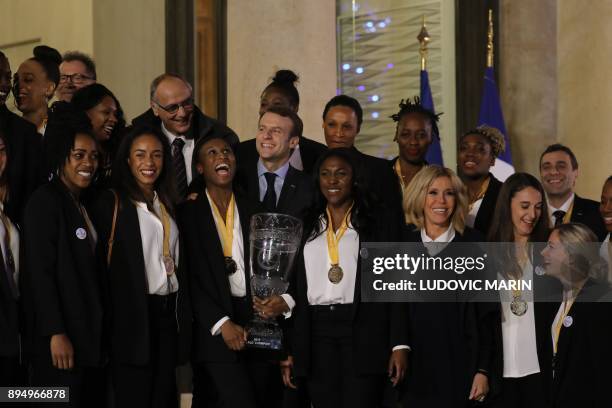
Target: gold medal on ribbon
{"type": "Point", "coordinates": [226, 233]}
{"type": "Point", "coordinates": [167, 259]}
{"type": "Point", "coordinates": [518, 306]}
{"type": "Point", "coordinates": [335, 273]}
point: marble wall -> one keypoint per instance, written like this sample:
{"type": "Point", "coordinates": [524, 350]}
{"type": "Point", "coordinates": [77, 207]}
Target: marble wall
{"type": "Point", "coordinates": [266, 35]}
{"type": "Point", "coordinates": [556, 59]}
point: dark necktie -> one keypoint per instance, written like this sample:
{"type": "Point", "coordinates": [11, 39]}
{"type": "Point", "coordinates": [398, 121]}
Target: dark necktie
{"type": "Point", "coordinates": [270, 196]}
{"type": "Point", "coordinates": [558, 217]}
{"type": "Point", "coordinates": [179, 166]}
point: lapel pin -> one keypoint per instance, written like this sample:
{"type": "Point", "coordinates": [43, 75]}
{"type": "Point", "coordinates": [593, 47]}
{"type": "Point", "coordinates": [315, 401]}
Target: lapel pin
{"type": "Point", "coordinates": [81, 233]}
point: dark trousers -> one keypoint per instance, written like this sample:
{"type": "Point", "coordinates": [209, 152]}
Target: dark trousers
{"type": "Point", "coordinates": [523, 392]}
{"type": "Point", "coordinates": [87, 385]}
{"type": "Point", "coordinates": [253, 381]}
{"type": "Point", "coordinates": [10, 373]}
{"type": "Point", "coordinates": [152, 385]}
{"type": "Point", "coordinates": [334, 381]}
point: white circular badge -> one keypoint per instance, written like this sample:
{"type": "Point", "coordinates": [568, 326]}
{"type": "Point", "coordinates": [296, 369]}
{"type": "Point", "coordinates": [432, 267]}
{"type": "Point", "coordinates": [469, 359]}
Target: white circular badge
{"type": "Point", "coordinates": [568, 321]}
{"type": "Point", "coordinates": [81, 233]}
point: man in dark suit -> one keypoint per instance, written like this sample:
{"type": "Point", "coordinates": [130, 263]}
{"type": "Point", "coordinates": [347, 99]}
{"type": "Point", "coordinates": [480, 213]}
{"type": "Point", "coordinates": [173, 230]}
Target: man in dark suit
{"type": "Point", "coordinates": [174, 113]}
{"type": "Point", "coordinates": [342, 118]}
{"type": "Point", "coordinates": [23, 148]}
{"type": "Point", "coordinates": [558, 173]}
{"type": "Point", "coordinates": [272, 180]}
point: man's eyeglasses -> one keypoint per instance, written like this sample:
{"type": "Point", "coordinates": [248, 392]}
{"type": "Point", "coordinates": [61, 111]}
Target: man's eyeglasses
{"type": "Point", "coordinates": [74, 78]}
{"type": "Point", "coordinates": [187, 105]}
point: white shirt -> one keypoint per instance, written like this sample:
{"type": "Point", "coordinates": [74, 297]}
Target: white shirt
{"type": "Point", "coordinates": [565, 208]}
{"type": "Point", "coordinates": [237, 280]}
{"type": "Point", "coordinates": [317, 263]}
{"type": "Point", "coordinates": [187, 150]}
{"type": "Point", "coordinates": [471, 216]}
{"type": "Point", "coordinates": [152, 237]}
{"type": "Point", "coordinates": [445, 237]}
{"type": "Point", "coordinates": [14, 245]}
{"type": "Point", "coordinates": [519, 337]}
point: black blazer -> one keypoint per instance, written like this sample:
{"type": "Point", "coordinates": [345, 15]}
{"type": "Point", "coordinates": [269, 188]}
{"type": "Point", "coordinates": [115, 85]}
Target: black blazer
{"type": "Point", "coordinates": [310, 151]}
{"type": "Point", "coordinates": [9, 317]}
{"type": "Point", "coordinates": [202, 126]}
{"type": "Point", "coordinates": [377, 327]}
{"type": "Point", "coordinates": [62, 286]}
{"type": "Point", "coordinates": [450, 342]}
{"type": "Point", "coordinates": [24, 169]}
{"type": "Point", "coordinates": [582, 374]}
{"type": "Point", "coordinates": [128, 303]}
{"type": "Point", "coordinates": [586, 211]}
{"type": "Point", "coordinates": [487, 207]}
{"type": "Point", "coordinates": [380, 181]}
{"type": "Point", "coordinates": [210, 288]}
{"type": "Point", "coordinates": [296, 195]}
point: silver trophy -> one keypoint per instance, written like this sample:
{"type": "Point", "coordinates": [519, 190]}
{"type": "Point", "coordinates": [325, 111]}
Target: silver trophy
{"type": "Point", "coordinates": [274, 240]}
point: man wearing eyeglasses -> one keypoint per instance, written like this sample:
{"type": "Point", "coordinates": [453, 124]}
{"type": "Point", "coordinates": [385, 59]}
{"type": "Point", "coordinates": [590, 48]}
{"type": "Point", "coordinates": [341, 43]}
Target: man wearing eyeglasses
{"type": "Point", "coordinates": [77, 70]}
{"type": "Point", "coordinates": [174, 113]}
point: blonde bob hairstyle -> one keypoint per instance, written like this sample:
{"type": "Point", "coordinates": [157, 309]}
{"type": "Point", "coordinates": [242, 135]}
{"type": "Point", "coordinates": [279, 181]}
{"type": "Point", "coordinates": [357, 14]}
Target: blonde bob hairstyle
{"type": "Point", "coordinates": [416, 192]}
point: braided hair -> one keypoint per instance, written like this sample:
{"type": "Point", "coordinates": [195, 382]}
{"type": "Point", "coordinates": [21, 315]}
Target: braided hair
{"type": "Point", "coordinates": [408, 106]}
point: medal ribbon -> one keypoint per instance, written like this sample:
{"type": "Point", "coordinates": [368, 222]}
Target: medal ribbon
{"type": "Point", "coordinates": [481, 192]}
{"type": "Point", "coordinates": [333, 239]}
{"type": "Point", "coordinates": [568, 305]}
{"type": "Point", "coordinates": [568, 214]}
{"type": "Point", "coordinates": [227, 227]}
{"type": "Point", "coordinates": [398, 170]}
{"type": "Point", "coordinates": [165, 219]}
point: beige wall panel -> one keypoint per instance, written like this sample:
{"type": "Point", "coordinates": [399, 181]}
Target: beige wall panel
{"type": "Point", "coordinates": [585, 89]}
{"type": "Point", "coordinates": [129, 48]}
{"type": "Point", "coordinates": [266, 35]}
{"type": "Point", "coordinates": [528, 78]}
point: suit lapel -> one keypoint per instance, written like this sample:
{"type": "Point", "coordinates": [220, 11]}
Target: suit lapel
{"type": "Point", "coordinates": [288, 190]}
{"type": "Point", "coordinates": [245, 220]}
{"type": "Point", "coordinates": [128, 230]}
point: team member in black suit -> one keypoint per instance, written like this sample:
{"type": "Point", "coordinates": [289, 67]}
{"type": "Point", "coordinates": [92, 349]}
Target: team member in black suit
{"type": "Point", "coordinates": [343, 348]}
{"type": "Point", "coordinates": [272, 180]}
{"type": "Point", "coordinates": [342, 118]}
{"type": "Point", "coordinates": [23, 171]}
{"type": "Point", "coordinates": [9, 293]}
{"type": "Point", "coordinates": [558, 173]}
{"type": "Point", "coordinates": [582, 328]}
{"type": "Point", "coordinates": [416, 126]}
{"type": "Point", "coordinates": [520, 218]}
{"type": "Point", "coordinates": [281, 92]}
{"type": "Point", "coordinates": [174, 113]}
{"type": "Point", "coordinates": [216, 230]}
{"type": "Point", "coordinates": [478, 150]}
{"type": "Point", "coordinates": [605, 209]}
{"type": "Point", "coordinates": [149, 298]}
{"type": "Point", "coordinates": [62, 286]}
{"type": "Point", "coordinates": [436, 205]}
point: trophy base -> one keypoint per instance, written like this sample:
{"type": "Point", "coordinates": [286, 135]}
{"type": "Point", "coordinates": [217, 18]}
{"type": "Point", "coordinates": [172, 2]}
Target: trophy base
{"type": "Point", "coordinates": [264, 334]}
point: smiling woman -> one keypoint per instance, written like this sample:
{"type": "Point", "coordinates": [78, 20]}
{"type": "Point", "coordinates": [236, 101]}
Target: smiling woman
{"type": "Point", "coordinates": [61, 283]}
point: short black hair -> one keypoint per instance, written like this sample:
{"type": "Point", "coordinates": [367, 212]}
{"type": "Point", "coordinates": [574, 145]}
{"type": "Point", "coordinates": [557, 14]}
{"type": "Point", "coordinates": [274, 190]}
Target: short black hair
{"type": "Point", "coordinates": [63, 124]}
{"type": "Point", "coordinates": [298, 125]}
{"type": "Point", "coordinates": [408, 106]}
{"type": "Point", "coordinates": [90, 65]}
{"type": "Point", "coordinates": [558, 147]}
{"type": "Point", "coordinates": [284, 82]}
{"type": "Point", "coordinates": [349, 102]}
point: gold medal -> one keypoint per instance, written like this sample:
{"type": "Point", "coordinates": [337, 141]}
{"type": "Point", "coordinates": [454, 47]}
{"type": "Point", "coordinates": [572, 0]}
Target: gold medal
{"type": "Point", "coordinates": [169, 265]}
{"type": "Point", "coordinates": [230, 265]}
{"type": "Point", "coordinates": [518, 306]}
{"type": "Point", "coordinates": [335, 274]}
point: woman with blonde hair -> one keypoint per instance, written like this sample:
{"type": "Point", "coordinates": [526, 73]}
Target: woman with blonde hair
{"type": "Point", "coordinates": [579, 353]}
{"type": "Point", "coordinates": [452, 342]}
